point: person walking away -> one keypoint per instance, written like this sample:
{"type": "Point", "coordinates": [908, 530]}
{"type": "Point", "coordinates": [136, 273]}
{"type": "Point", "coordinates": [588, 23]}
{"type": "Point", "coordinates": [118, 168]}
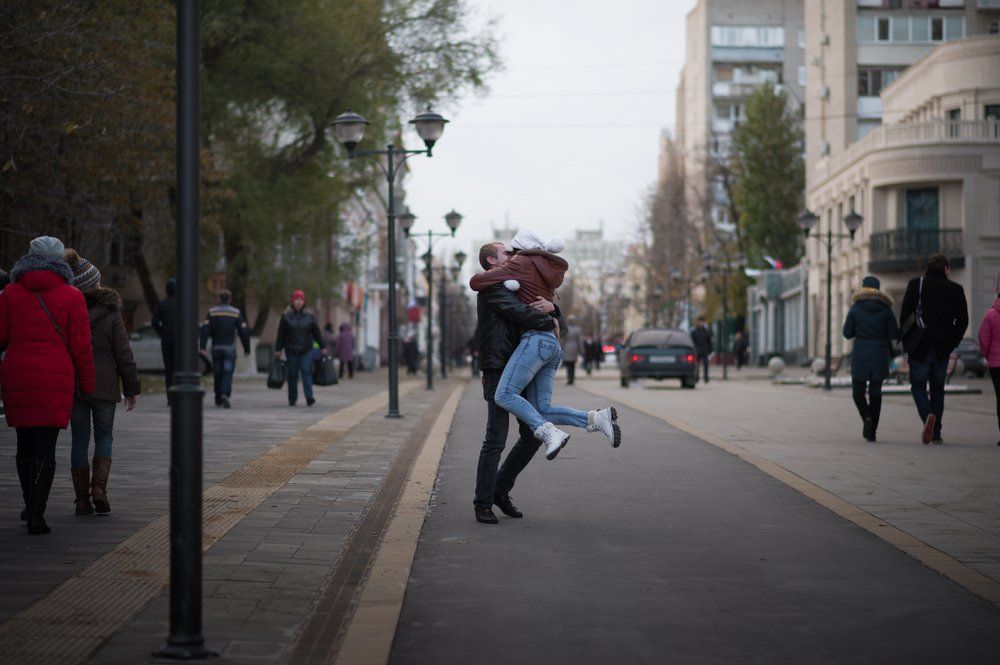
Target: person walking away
{"type": "Point", "coordinates": [46, 329]}
{"type": "Point", "coordinates": [345, 350]}
{"type": "Point", "coordinates": [330, 340]}
{"type": "Point", "coordinates": [165, 324]}
{"type": "Point", "coordinates": [572, 344]}
{"type": "Point", "coordinates": [740, 346]}
{"type": "Point", "coordinates": [297, 331]}
{"type": "Point", "coordinates": [872, 325]}
{"type": "Point", "coordinates": [945, 313]}
{"type": "Point", "coordinates": [989, 344]}
{"type": "Point", "coordinates": [411, 354]}
{"type": "Point", "coordinates": [222, 325]}
{"type": "Point", "coordinates": [702, 338]}
{"type": "Point", "coordinates": [114, 370]}
{"type": "Point", "coordinates": [501, 319]}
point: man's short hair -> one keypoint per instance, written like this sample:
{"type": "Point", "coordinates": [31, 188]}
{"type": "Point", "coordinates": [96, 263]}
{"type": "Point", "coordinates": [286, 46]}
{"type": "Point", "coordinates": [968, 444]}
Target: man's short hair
{"type": "Point", "coordinates": [938, 262]}
{"type": "Point", "coordinates": [225, 295]}
{"type": "Point", "coordinates": [489, 251]}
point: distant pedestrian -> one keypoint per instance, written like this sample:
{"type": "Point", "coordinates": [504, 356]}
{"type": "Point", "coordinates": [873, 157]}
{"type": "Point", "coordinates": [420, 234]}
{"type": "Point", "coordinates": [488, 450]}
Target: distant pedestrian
{"type": "Point", "coordinates": [114, 370]}
{"type": "Point", "coordinates": [165, 324]}
{"type": "Point", "coordinates": [345, 350]}
{"type": "Point", "coordinates": [989, 344]}
{"type": "Point", "coordinates": [45, 326]}
{"type": "Point", "coordinates": [941, 304]}
{"type": "Point", "coordinates": [330, 339]}
{"type": "Point", "coordinates": [872, 325]}
{"type": "Point", "coordinates": [297, 331]}
{"type": "Point", "coordinates": [572, 345]}
{"type": "Point", "coordinates": [223, 324]}
{"type": "Point", "coordinates": [740, 346]}
{"type": "Point", "coordinates": [702, 338]}
{"type": "Point", "coordinates": [411, 355]}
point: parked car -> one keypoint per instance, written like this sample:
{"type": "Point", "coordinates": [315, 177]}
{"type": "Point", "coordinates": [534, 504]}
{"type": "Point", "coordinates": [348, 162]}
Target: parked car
{"type": "Point", "coordinates": [972, 359]}
{"type": "Point", "coordinates": [149, 358]}
{"type": "Point", "coordinates": [659, 353]}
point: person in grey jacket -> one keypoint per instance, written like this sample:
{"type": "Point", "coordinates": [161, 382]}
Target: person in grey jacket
{"type": "Point", "coordinates": [872, 325]}
{"type": "Point", "coordinates": [572, 343]}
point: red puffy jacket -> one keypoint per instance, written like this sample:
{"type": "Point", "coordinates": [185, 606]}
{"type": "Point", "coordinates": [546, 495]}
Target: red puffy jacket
{"type": "Point", "coordinates": [38, 377]}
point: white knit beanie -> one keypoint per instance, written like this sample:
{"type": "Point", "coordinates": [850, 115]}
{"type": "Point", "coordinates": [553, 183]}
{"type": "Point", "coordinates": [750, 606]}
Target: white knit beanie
{"type": "Point", "coordinates": [47, 246]}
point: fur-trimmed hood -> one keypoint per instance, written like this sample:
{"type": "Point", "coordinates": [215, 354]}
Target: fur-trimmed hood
{"type": "Point", "coordinates": [103, 296]}
{"type": "Point", "coordinates": [31, 262]}
{"type": "Point", "coordinates": [870, 295]}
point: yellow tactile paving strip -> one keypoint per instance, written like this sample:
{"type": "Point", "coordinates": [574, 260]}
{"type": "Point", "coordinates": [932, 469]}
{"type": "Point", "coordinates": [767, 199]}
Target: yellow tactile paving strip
{"type": "Point", "coordinates": [69, 623]}
{"type": "Point", "coordinates": [933, 558]}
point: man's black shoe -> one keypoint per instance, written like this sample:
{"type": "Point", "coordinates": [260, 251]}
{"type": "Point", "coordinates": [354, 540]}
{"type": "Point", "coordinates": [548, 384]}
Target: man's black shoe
{"type": "Point", "coordinates": [218, 402]}
{"type": "Point", "coordinates": [310, 401]}
{"type": "Point", "coordinates": [506, 506]}
{"type": "Point", "coordinates": [868, 432]}
{"type": "Point", "coordinates": [485, 515]}
{"type": "Point", "coordinates": [225, 403]}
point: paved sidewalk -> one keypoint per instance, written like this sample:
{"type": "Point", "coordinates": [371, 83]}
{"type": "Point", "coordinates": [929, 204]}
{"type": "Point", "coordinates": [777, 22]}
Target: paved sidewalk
{"type": "Point", "coordinates": [667, 549]}
{"type": "Point", "coordinates": [947, 496]}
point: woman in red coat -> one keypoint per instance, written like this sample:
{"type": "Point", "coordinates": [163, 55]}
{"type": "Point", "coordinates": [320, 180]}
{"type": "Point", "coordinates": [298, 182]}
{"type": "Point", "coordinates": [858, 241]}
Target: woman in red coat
{"type": "Point", "coordinates": [45, 325]}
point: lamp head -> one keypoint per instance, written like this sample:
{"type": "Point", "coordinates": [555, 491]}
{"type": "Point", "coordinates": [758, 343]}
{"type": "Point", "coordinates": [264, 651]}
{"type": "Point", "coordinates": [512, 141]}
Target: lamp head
{"type": "Point", "coordinates": [460, 257]}
{"type": "Point", "coordinates": [853, 222]}
{"type": "Point", "coordinates": [806, 220]}
{"type": "Point", "coordinates": [349, 128]}
{"type": "Point", "coordinates": [429, 126]}
{"type": "Point", "coordinates": [453, 219]}
{"type": "Point", "coordinates": [406, 220]}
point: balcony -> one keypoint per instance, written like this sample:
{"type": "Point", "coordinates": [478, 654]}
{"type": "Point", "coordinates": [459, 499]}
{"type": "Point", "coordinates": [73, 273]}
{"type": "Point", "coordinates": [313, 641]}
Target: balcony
{"type": "Point", "coordinates": [906, 250]}
{"type": "Point", "coordinates": [907, 134]}
{"type": "Point", "coordinates": [989, 4]}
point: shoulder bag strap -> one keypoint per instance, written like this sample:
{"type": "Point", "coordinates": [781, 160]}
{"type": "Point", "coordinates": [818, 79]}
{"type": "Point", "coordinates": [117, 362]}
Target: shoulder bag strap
{"type": "Point", "coordinates": [55, 324]}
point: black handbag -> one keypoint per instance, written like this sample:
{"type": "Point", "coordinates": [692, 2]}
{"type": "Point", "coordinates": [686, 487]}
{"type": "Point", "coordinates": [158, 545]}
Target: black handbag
{"type": "Point", "coordinates": [913, 328]}
{"type": "Point", "coordinates": [276, 375]}
{"type": "Point", "coordinates": [324, 373]}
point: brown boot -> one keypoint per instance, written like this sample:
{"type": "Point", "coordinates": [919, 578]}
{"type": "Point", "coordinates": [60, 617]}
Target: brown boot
{"type": "Point", "coordinates": [81, 485]}
{"type": "Point", "coordinates": [99, 485]}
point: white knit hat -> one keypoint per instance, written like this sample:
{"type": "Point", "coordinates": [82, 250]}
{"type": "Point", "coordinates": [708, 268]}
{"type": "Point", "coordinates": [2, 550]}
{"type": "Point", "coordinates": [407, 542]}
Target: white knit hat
{"type": "Point", "coordinates": [536, 240]}
{"type": "Point", "coordinates": [47, 246]}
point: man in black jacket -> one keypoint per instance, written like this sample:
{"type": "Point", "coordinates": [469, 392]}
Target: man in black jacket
{"type": "Point", "coordinates": [222, 325]}
{"type": "Point", "coordinates": [502, 319]}
{"type": "Point", "coordinates": [946, 316]}
{"type": "Point", "coordinates": [165, 324]}
{"type": "Point", "coordinates": [702, 338]}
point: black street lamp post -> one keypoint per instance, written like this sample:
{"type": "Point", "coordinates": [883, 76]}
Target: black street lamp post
{"type": "Point", "coordinates": [185, 640]}
{"type": "Point", "coordinates": [350, 129]}
{"type": "Point", "coordinates": [730, 263]}
{"type": "Point", "coordinates": [453, 219]}
{"type": "Point", "coordinates": [807, 220]}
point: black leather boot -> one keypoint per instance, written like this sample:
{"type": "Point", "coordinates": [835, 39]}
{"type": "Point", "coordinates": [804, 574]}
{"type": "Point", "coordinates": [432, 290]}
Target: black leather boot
{"type": "Point", "coordinates": [24, 475]}
{"type": "Point", "coordinates": [43, 471]}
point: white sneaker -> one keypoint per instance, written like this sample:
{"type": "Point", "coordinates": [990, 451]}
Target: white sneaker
{"type": "Point", "coordinates": [606, 421]}
{"type": "Point", "coordinates": [552, 438]}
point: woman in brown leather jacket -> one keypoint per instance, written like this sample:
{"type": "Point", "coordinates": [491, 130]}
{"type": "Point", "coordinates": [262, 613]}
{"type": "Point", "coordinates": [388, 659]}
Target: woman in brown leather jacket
{"type": "Point", "coordinates": [114, 368]}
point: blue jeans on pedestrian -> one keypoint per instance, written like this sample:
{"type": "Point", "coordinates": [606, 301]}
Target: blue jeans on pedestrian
{"type": "Point", "coordinates": [224, 364]}
{"type": "Point", "coordinates": [531, 370]}
{"type": "Point", "coordinates": [936, 372]}
{"type": "Point", "coordinates": [103, 415]}
{"type": "Point", "coordinates": [297, 363]}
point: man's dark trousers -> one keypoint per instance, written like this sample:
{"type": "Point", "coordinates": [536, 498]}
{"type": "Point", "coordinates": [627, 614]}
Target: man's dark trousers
{"type": "Point", "coordinates": [168, 362]}
{"type": "Point", "coordinates": [570, 371]}
{"type": "Point", "coordinates": [703, 361]}
{"type": "Point", "coordinates": [936, 371]}
{"type": "Point", "coordinates": [489, 481]}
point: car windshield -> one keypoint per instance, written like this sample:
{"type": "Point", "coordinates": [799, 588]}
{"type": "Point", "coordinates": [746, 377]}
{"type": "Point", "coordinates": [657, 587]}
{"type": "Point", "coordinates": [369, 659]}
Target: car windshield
{"type": "Point", "coordinates": [660, 338]}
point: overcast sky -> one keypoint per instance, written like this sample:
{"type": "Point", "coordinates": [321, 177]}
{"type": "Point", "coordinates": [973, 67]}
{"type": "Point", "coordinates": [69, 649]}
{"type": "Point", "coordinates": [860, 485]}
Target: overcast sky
{"type": "Point", "coordinates": [568, 134]}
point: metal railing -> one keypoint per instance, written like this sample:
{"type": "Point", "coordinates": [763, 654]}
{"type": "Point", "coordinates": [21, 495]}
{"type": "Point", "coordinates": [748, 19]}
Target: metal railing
{"type": "Point", "coordinates": [902, 250]}
{"type": "Point", "coordinates": [914, 133]}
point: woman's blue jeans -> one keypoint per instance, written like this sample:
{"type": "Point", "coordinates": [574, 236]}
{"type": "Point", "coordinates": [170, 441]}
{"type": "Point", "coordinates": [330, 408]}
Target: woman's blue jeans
{"type": "Point", "coordinates": [103, 415]}
{"type": "Point", "coordinates": [531, 371]}
{"type": "Point", "coordinates": [297, 363]}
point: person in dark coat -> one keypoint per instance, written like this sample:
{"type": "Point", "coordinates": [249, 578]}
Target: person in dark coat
{"type": "Point", "coordinates": [114, 369]}
{"type": "Point", "coordinates": [297, 331]}
{"type": "Point", "coordinates": [46, 328]}
{"type": "Point", "coordinates": [165, 324]}
{"type": "Point", "coordinates": [344, 345]}
{"type": "Point", "coordinates": [702, 338]}
{"type": "Point", "coordinates": [411, 355]}
{"type": "Point", "coordinates": [946, 315]}
{"type": "Point", "coordinates": [872, 325]}
{"type": "Point", "coordinates": [223, 324]}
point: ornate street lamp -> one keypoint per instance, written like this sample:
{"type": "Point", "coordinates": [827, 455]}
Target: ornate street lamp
{"type": "Point", "coordinates": [806, 221]}
{"type": "Point", "coordinates": [349, 128]}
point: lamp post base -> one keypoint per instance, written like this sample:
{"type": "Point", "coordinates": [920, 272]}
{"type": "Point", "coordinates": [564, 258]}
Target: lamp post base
{"type": "Point", "coordinates": [394, 415]}
{"type": "Point", "coordinates": [185, 649]}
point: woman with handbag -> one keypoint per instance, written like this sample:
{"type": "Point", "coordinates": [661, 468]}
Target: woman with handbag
{"type": "Point", "coordinates": [989, 343]}
{"type": "Point", "coordinates": [297, 331]}
{"type": "Point", "coordinates": [45, 324]}
{"type": "Point", "coordinates": [872, 325]}
{"type": "Point", "coordinates": [114, 369]}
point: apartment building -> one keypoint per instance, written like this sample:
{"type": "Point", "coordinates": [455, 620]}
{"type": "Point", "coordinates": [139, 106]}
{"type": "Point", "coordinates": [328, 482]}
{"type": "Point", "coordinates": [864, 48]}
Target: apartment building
{"type": "Point", "coordinates": [732, 47]}
{"type": "Point", "coordinates": [901, 126]}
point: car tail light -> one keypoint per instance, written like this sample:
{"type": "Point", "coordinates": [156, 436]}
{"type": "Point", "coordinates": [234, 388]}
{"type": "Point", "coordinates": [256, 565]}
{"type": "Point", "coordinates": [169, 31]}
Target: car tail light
{"type": "Point", "coordinates": [636, 358]}
{"type": "Point", "coordinates": [608, 348]}
{"type": "Point", "coordinates": [689, 358]}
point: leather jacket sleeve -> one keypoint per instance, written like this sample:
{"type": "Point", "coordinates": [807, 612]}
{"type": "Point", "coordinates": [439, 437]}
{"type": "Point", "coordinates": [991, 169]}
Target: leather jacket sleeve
{"type": "Point", "coordinates": [507, 305]}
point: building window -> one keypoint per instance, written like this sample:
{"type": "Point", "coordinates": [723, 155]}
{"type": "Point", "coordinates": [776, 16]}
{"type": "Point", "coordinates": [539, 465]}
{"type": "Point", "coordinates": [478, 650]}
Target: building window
{"type": "Point", "coordinates": [802, 38]}
{"type": "Point", "coordinates": [922, 209]}
{"type": "Point", "coordinates": [954, 27]}
{"type": "Point", "coordinates": [901, 29]}
{"type": "Point", "coordinates": [995, 27]}
{"type": "Point", "coordinates": [882, 25]}
{"type": "Point", "coordinates": [921, 30]}
{"type": "Point", "coordinates": [954, 114]}
{"type": "Point", "coordinates": [871, 80]}
{"type": "Point", "coordinates": [802, 75]}
{"type": "Point", "coordinates": [937, 28]}
{"type": "Point", "coordinates": [866, 29]}
{"type": "Point", "coordinates": [733, 35]}
{"type": "Point", "coordinates": [991, 111]}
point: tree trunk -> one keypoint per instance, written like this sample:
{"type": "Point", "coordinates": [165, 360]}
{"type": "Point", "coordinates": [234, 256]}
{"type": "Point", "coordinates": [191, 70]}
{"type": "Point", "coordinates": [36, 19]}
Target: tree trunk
{"type": "Point", "coordinates": [261, 320]}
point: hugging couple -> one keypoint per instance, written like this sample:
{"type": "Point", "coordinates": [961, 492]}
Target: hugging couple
{"type": "Point", "coordinates": [519, 352]}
